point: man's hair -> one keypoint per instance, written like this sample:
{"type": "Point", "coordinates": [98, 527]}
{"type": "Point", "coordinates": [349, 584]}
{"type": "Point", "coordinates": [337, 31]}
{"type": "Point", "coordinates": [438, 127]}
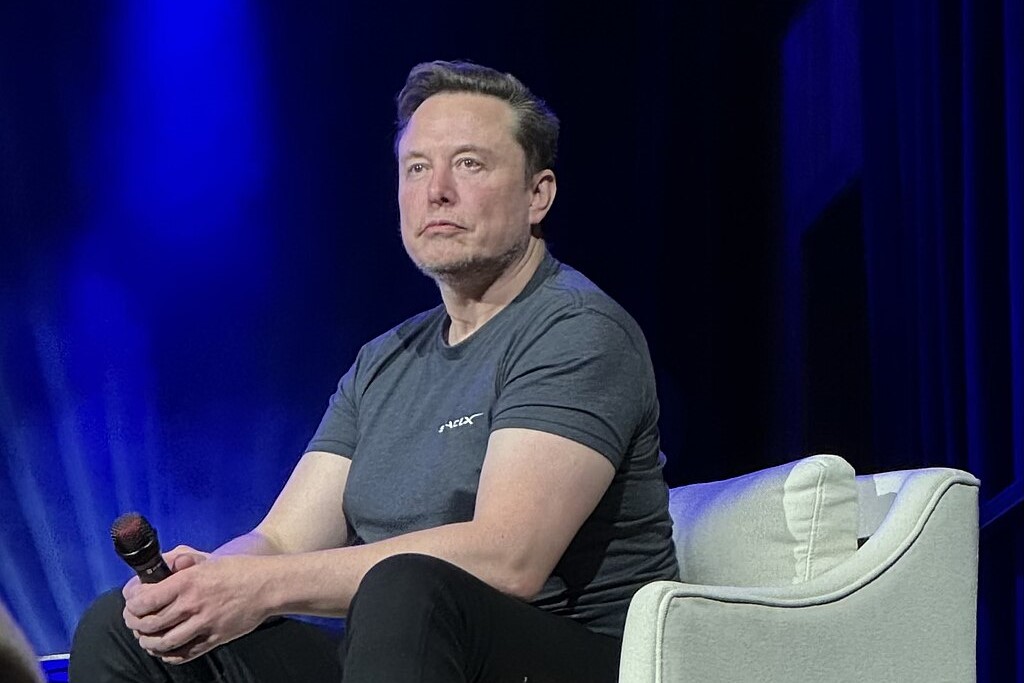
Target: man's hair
{"type": "Point", "coordinates": [537, 126]}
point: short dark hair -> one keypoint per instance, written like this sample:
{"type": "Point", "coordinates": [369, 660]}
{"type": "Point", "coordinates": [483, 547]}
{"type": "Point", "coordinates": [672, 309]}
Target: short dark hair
{"type": "Point", "coordinates": [537, 130]}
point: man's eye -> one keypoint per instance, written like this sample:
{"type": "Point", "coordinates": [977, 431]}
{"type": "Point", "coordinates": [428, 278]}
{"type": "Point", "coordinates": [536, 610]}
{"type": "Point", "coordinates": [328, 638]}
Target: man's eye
{"type": "Point", "coordinates": [416, 168]}
{"type": "Point", "coordinates": [469, 163]}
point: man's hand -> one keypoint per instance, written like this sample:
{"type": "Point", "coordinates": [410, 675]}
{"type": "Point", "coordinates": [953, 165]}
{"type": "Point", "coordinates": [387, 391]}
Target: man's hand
{"type": "Point", "coordinates": [180, 558]}
{"type": "Point", "coordinates": [206, 602]}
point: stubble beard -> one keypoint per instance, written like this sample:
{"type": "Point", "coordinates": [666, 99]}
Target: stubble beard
{"type": "Point", "coordinates": [476, 271]}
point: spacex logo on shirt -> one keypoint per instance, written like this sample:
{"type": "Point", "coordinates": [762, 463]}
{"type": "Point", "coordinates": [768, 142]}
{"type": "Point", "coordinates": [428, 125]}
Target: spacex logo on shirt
{"type": "Point", "coordinates": [459, 422]}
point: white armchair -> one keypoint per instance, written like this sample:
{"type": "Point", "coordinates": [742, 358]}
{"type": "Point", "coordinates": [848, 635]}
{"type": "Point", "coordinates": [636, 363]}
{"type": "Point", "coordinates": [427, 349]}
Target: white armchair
{"type": "Point", "coordinates": [807, 572]}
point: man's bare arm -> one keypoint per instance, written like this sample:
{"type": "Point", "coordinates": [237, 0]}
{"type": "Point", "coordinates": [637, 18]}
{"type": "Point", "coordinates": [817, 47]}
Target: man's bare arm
{"type": "Point", "coordinates": [536, 490]}
{"type": "Point", "coordinates": [307, 514]}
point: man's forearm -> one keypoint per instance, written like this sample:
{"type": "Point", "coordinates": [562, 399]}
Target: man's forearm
{"type": "Point", "coordinates": [252, 543]}
{"type": "Point", "coordinates": [324, 582]}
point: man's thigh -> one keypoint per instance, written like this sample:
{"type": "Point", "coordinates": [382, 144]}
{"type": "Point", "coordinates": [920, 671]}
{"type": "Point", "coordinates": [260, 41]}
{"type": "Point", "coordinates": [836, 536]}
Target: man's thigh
{"type": "Point", "coordinates": [419, 618]}
{"type": "Point", "coordinates": [526, 644]}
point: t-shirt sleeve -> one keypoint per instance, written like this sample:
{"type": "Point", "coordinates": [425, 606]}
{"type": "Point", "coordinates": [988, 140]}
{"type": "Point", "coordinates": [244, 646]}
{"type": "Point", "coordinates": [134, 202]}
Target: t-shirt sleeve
{"type": "Point", "coordinates": [585, 378]}
{"type": "Point", "coordinates": [338, 430]}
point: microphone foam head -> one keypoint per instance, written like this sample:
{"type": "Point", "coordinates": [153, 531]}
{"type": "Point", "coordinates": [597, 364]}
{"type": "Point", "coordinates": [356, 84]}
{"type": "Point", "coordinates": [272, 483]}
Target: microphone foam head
{"type": "Point", "coordinates": [131, 533]}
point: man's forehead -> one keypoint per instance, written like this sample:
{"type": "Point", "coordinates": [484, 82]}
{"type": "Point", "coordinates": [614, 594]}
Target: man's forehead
{"type": "Point", "coordinates": [456, 103]}
{"type": "Point", "coordinates": [460, 119]}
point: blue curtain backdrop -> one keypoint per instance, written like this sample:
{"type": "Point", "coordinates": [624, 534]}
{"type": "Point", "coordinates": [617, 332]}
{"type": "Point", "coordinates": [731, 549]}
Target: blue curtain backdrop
{"type": "Point", "coordinates": [914, 169]}
{"type": "Point", "coordinates": [173, 307]}
{"type": "Point", "coordinates": [813, 209]}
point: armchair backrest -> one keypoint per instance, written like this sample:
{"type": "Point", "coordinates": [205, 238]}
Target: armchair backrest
{"type": "Point", "coordinates": [777, 526]}
{"type": "Point", "coordinates": [791, 523]}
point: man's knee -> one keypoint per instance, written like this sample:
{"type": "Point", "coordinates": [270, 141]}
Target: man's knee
{"type": "Point", "coordinates": [98, 632]}
{"type": "Point", "coordinates": [402, 602]}
{"type": "Point", "coordinates": [104, 615]}
{"type": "Point", "coordinates": [413, 571]}
{"type": "Point", "coordinates": [407, 582]}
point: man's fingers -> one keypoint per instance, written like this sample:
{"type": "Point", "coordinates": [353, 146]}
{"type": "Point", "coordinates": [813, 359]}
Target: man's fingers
{"type": "Point", "coordinates": [197, 648]}
{"type": "Point", "coordinates": [185, 561]}
{"type": "Point", "coordinates": [173, 642]}
{"type": "Point", "coordinates": [129, 588]}
{"type": "Point", "coordinates": [152, 624]}
{"type": "Point", "coordinates": [183, 557]}
{"type": "Point", "coordinates": [150, 598]}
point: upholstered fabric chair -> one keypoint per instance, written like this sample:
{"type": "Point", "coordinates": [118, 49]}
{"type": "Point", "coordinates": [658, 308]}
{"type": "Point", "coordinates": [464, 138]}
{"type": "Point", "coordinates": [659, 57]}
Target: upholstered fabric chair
{"type": "Point", "coordinates": [807, 572]}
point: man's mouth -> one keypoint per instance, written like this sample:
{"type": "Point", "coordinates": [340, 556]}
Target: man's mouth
{"type": "Point", "coordinates": [441, 226]}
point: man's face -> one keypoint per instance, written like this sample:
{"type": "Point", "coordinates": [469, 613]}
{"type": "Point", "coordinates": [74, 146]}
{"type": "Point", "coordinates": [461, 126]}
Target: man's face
{"type": "Point", "coordinates": [464, 200]}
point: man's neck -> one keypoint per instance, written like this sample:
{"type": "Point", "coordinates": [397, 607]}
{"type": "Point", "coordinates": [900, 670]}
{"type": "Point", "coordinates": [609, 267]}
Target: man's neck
{"type": "Point", "coordinates": [472, 305]}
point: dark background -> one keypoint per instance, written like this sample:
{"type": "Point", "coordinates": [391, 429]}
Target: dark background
{"type": "Point", "coordinates": [813, 209]}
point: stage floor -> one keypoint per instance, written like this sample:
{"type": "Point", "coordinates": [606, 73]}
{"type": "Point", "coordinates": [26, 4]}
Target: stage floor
{"type": "Point", "coordinates": [55, 668]}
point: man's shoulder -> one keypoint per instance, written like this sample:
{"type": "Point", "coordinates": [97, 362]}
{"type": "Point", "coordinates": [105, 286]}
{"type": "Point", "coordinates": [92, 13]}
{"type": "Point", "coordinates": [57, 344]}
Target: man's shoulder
{"type": "Point", "coordinates": [414, 330]}
{"type": "Point", "coordinates": [571, 294]}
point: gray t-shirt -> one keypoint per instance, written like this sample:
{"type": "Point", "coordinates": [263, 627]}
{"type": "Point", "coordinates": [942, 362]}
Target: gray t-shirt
{"type": "Point", "coordinates": [414, 415]}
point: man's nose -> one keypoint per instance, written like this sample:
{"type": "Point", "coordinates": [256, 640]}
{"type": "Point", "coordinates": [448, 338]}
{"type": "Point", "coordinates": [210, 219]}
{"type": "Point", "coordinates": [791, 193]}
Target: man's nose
{"type": "Point", "coordinates": [442, 188]}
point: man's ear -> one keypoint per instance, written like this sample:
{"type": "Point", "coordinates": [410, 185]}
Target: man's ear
{"type": "Point", "coordinates": [543, 188]}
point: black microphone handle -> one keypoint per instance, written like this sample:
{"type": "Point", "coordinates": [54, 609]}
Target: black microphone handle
{"type": "Point", "coordinates": [152, 571]}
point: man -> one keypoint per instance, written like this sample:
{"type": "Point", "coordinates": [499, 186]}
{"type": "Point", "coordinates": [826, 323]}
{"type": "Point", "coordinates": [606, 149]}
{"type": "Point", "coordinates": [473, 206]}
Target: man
{"type": "Point", "coordinates": [484, 494]}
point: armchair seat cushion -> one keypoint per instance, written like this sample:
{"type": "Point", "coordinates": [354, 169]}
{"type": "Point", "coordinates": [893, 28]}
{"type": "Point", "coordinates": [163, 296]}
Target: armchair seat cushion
{"type": "Point", "coordinates": [779, 526]}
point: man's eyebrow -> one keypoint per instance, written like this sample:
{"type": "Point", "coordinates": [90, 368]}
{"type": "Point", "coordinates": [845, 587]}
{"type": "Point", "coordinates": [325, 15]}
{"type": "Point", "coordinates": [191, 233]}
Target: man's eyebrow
{"type": "Point", "coordinates": [472, 148]}
{"type": "Point", "coordinates": [461, 149]}
{"type": "Point", "coordinates": [412, 154]}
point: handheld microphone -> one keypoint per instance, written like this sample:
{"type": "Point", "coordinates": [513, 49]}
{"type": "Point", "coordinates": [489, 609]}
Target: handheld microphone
{"type": "Point", "coordinates": [136, 542]}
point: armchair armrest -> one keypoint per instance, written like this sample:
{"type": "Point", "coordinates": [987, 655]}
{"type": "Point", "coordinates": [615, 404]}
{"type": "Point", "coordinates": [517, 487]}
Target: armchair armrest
{"type": "Point", "coordinates": [903, 607]}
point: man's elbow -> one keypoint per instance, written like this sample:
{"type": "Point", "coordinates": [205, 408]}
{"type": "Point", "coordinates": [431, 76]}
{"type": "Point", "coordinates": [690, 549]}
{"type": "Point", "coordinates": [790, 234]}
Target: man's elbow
{"type": "Point", "coordinates": [522, 582]}
{"type": "Point", "coordinates": [512, 565]}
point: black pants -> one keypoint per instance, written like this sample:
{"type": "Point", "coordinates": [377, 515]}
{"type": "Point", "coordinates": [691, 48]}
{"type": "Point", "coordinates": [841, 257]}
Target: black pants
{"type": "Point", "coordinates": [414, 618]}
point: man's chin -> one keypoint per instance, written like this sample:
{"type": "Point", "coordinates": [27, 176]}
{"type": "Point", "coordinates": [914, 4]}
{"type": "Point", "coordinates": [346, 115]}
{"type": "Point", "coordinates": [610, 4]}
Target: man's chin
{"type": "Point", "coordinates": [446, 270]}
{"type": "Point", "coordinates": [465, 270]}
